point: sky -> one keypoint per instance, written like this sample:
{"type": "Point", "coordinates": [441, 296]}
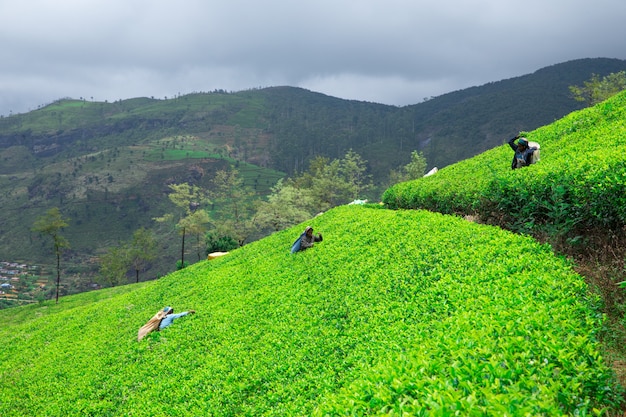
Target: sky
{"type": "Point", "coordinates": [395, 52]}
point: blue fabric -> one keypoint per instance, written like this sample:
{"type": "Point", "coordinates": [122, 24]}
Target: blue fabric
{"type": "Point", "coordinates": [170, 318]}
{"type": "Point", "coordinates": [296, 245]}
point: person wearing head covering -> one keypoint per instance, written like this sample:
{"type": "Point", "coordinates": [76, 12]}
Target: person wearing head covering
{"type": "Point", "coordinates": [170, 317]}
{"type": "Point", "coordinates": [523, 152]}
{"type": "Point", "coordinates": [160, 320]}
{"type": "Point", "coordinates": [305, 240]}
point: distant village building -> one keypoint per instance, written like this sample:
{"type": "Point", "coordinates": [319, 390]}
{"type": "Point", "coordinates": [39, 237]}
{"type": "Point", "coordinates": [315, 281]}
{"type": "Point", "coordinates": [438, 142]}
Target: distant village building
{"type": "Point", "coordinates": [11, 273]}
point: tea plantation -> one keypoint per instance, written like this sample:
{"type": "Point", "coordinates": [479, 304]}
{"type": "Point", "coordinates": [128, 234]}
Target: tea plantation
{"type": "Point", "coordinates": [396, 312]}
{"type": "Point", "coordinates": [579, 183]}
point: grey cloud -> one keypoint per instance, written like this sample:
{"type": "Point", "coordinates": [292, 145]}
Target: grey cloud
{"type": "Point", "coordinates": [393, 52]}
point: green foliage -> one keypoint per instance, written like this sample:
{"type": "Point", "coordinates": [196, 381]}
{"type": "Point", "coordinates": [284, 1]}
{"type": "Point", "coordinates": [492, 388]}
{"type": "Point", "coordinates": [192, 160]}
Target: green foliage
{"type": "Point", "coordinates": [134, 255]}
{"type": "Point", "coordinates": [286, 206]}
{"type": "Point", "coordinates": [580, 181]}
{"type": "Point", "coordinates": [599, 89]}
{"type": "Point", "coordinates": [114, 266]}
{"type": "Point", "coordinates": [219, 243]}
{"type": "Point", "coordinates": [106, 164]}
{"type": "Point", "coordinates": [411, 171]}
{"type": "Point", "coordinates": [186, 197]}
{"type": "Point", "coordinates": [233, 205]}
{"type": "Point", "coordinates": [395, 312]}
{"type": "Point", "coordinates": [51, 224]}
{"type": "Point", "coordinates": [330, 183]}
{"type": "Point", "coordinates": [353, 169]}
{"type": "Point", "coordinates": [191, 217]}
{"type": "Point", "coordinates": [326, 183]}
{"type": "Point", "coordinates": [143, 250]}
{"type": "Point", "coordinates": [181, 264]}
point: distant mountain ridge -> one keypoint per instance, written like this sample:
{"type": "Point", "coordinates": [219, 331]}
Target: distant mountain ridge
{"type": "Point", "coordinates": [292, 125]}
{"type": "Point", "coordinates": [468, 122]}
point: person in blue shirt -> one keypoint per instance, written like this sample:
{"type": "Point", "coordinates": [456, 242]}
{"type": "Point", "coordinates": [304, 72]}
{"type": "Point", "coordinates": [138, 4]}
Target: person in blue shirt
{"type": "Point", "coordinates": [160, 320]}
{"type": "Point", "coordinates": [170, 317]}
{"type": "Point", "coordinates": [523, 153]}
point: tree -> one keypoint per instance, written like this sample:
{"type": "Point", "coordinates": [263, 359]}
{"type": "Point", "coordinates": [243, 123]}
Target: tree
{"type": "Point", "coordinates": [335, 182]}
{"type": "Point", "coordinates": [287, 205]}
{"type": "Point", "coordinates": [196, 224]}
{"type": "Point", "coordinates": [411, 171]}
{"type": "Point", "coordinates": [325, 184]}
{"type": "Point", "coordinates": [114, 266]}
{"type": "Point", "coordinates": [50, 224]}
{"type": "Point", "coordinates": [233, 205]}
{"type": "Point", "coordinates": [216, 243]}
{"type": "Point", "coordinates": [353, 168]}
{"type": "Point", "coordinates": [142, 250]}
{"type": "Point", "coordinates": [188, 198]}
{"type": "Point", "coordinates": [599, 89]}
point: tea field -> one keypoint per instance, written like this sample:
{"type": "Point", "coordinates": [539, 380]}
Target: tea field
{"type": "Point", "coordinates": [578, 185]}
{"type": "Point", "coordinates": [396, 312]}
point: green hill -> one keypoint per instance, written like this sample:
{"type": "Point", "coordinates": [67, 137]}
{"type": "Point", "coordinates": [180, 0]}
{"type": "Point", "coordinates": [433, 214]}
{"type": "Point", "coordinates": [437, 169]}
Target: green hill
{"type": "Point", "coordinates": [573, 197]}
{"type": "Point", "coordinates": [106, 166]}
{"type": "Point", "coordinates": [578, 184]}
{"type": "Point", "coordinates": [394, 312]}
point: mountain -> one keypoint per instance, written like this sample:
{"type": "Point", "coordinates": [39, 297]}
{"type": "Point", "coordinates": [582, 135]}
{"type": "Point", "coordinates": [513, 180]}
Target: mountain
{"type": "Point", "coordinates": [107, 165]}
{"type": "Point", "coordinates": [283, 127]}
{"type": "Point", "coordinates": [465, 123]}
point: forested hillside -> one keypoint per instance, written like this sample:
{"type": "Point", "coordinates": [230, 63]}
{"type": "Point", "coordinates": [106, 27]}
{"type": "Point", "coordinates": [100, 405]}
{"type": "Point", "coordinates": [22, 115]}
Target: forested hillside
{"type": "Point", "coordinates": [108, 166]}
{"type": "Point", "coordinates": [283, 127]}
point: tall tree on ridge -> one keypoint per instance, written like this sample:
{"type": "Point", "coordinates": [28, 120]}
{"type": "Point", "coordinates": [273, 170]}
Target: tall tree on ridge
{"type": "Point", "coordinates": [51, 224]}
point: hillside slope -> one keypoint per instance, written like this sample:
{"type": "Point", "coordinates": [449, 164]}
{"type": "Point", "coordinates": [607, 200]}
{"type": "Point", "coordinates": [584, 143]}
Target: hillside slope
{"type": "Point", "coordinates": [573, 198]}
{"type": "Point", "coordinates": [581, 169]}
{"type": "Point", "coordinates": [395, 311]}
{"type": "Point", "coordinates": [465, 123]}
{"type": "Point", "coordinates": [106, 166]}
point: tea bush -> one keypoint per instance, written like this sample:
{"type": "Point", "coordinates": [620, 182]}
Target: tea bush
{"type": "Point", "coordinates": [580, 181]}
{"type": "Point", "coordinates": [394, 313]}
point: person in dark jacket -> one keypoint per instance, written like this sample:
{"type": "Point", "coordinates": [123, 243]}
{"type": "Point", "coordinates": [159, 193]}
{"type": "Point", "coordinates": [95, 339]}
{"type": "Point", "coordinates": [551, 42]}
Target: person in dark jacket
{"type": "Point", "coordinates": [523, 153]}
{"type": "Point", "coordinates": [305, 240]}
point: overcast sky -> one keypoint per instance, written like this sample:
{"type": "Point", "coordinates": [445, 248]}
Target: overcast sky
{"type": "Point", "coordinates": [393, 52]}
